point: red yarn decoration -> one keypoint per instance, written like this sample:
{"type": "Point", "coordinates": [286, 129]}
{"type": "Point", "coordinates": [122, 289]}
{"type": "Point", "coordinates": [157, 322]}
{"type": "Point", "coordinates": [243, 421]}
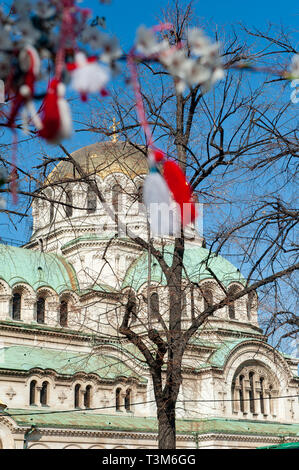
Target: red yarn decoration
{"type": "Point", "coordinates": [181, 190]}
{"type": "Point", "coordinates": [159, 155]}
{"type": "Point", "coordinates": [50, 112]}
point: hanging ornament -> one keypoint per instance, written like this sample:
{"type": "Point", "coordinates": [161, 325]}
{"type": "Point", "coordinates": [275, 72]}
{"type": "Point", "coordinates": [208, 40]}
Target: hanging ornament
{"type": "Point", "coordinates": [29, 64]}
{"type": "Point", "coordinates": [157, 200]}
{"type": "Point", "coordinates": [87, 75]}
{"type": "Point", "coordinates": [56, 114]}
{"type": "Point", "coordinates": [181, 190]}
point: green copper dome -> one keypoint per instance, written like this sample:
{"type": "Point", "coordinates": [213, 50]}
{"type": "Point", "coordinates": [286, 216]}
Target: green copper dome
{"type": "Point", "coordinates": [36, 269]}
{"type": "Point", "coordinates": [199, 264]}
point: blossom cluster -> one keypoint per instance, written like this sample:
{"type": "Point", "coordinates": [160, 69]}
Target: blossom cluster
{"type": "Point", "coordinates": [39, 24]}
{"type": "Point", "coordinates": [42, 39]}
{"type": "Point", "coordinates": [195, 62]}
{"type": "Point", "coordinates": [54, 38]}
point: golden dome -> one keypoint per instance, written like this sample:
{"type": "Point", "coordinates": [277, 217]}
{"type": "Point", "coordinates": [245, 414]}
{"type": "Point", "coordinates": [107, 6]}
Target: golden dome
{"type": "Point", "coordinates": [102, 158]}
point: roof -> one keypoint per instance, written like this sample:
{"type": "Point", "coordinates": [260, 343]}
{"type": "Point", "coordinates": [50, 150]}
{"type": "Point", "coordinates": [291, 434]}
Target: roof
{"type": "Point", "coordinates": [289, 445]}
{"type": "Point", "coordinates": [64, 362]}
{"type": "Point", "coordinates": [90, 420]}
{"type": "Point", "coordinates": [196, 260]}
{"type": "Point", "coordinates": [36, 269]}
{"type": "Point", "coordinates": [102, 158]}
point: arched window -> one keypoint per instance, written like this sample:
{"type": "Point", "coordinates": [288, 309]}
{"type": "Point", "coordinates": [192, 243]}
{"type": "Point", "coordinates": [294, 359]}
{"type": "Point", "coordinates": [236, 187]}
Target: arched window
{"type": "Point", "coordinates": [63, 313]}
{"type": "Point", "coordinates": [128, 400]}
{"type": "Point", "coordinates": [16, 306]}
{"type": "Point", "coordinates": [87, 396]}
{"type": "Point", "coordinates": [117, 399]}
{"type": "Point", "coordinates": [262, 395]}
{"type": "Point", "coordinates": [270, 395]}
{"type": "Point", "coordinates": [251, 392]}
{"type": "Point", "coordinates": [116, 194]}
{"type": "Point", "coordinates": [91, 201]}
{"type": "Point", "coordinates": [69, 203]}
{"type": "Point", "coordinates": [44, 394]}
{"type": "Point", "coordinates": [241, 382]}
{"type": "Point", "coordinates": [207, 297]}
{"type": "Point", "coordinates": [41, 244]}
{"type": "Point", "coordinates": [154, 305]}
{"type": "Point", "coordinates": [32, 393]}
{"type": "Point", "coordinates": [77, 396]}
{"type": "Point", "coordinates": [40, 310]}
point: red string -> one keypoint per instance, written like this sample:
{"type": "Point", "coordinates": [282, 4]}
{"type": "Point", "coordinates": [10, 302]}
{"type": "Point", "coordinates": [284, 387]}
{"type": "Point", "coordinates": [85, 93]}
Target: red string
{"type": "Point", "coordinates": [136, 87]}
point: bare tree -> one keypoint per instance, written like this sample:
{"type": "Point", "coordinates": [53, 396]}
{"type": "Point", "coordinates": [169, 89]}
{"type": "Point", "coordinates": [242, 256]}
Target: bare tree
{"type": "Point", "coordinates": [238, 144]}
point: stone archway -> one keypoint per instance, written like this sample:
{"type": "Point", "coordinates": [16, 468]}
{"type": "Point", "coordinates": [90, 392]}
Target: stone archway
{"type": "Point", "coordinates": [6, 439]}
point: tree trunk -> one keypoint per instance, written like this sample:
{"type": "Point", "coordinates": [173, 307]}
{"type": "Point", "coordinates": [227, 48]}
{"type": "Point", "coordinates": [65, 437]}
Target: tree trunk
{"type": "Point", "coordinates": [166, 425]}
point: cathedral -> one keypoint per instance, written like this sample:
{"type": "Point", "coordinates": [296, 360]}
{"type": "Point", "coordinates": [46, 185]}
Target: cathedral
{"type": "Point", "coordinates": [69, 379]}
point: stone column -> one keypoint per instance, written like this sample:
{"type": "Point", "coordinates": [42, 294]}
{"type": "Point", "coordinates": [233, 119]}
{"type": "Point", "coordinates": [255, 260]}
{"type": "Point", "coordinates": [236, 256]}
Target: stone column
{"type": "Point", "coordinates": [5, 307]}
{"type": "Point", "coordinates": [236, 399]}
{"type": "Point", "coordinates": [246, 389]}
{"type": "Point", "coordinates": [28, 309]}
{"type": "Point", "coordinates": [52, 310]}
{"type": "Point", "coordinates": [266, 402]}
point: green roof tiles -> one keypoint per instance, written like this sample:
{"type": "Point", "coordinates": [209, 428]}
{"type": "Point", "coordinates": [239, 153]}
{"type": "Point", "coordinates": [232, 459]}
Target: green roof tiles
{"type": "Point", "coordinates": [36, 269]}
{"type": "Point", "coordinates": [218, 358]}
{"type": "Point", "coordinates": [64, 362]}
{"type": "Point", "coordinates": [196, 260]}
{"type": "Point", "coordinates": [122, 422]}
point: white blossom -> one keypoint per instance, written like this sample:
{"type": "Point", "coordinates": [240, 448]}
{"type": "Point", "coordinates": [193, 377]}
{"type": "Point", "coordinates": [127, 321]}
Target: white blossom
{"type": "Point", "coordinates": [175, 61]}
{"type": "Point", "coordinates": [199, 43]}
{"type": "Point", "coordinates": [295, 66]}
{"type": "Point", "coordinates": [111, 49]}
{"type": "Point", "coordinates": [147, 44]}
{"type": "Point", "coordinates": [92, 36]}
{"type": "Point", "coordinates": [196, 73]}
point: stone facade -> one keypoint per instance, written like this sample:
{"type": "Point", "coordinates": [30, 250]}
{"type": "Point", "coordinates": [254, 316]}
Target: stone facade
{"type": "Point", "coordinates": [61, 300]}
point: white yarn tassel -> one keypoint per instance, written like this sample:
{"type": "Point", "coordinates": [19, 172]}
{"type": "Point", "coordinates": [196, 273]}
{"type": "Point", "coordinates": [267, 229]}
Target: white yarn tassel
{"type": "Point", "coordinates": [66, 126]}
{"type": "Point", "coordinates": [158, 202]}
{"type": "Point", "coordinates": [89, 77]}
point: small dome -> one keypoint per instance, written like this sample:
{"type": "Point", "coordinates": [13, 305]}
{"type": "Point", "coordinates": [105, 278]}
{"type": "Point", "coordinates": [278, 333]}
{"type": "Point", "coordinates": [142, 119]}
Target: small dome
{"type": "Point", "coordinates": [102, 158]}
{"type": "Point", "coordinates": [19, 265]}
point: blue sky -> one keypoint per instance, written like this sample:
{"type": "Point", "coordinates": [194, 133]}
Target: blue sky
{"type": "Point", "coordinates": [123, 18]}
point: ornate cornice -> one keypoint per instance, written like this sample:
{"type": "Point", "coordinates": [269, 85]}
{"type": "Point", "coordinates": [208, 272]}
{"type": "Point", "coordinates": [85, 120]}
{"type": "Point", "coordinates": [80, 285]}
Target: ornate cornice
{"type": "Point", "coordinates": [134, 435]}
{"type": "Point", "coordinates": [44, 332]}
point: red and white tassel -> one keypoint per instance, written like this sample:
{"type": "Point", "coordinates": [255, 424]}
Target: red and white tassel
{"type": "Point", "coordinates": [181, 190]}
{"type": "Point", "coordinates": [87, 75]}
{"type": "Point", "coordinates": [158, 203]}
{"type": "Point", "coordinates": [56, 114]}
{"type": "Point", "coordinates": [29, 63]}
